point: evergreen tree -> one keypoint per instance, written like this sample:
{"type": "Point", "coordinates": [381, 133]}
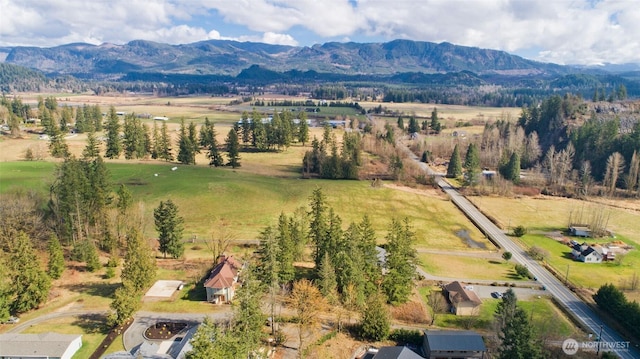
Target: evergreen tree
{"type": "Point", "coordinates": [327, 282]}
{"type": "Point", "coordinates": [517, 338]}
{"type": "Point", "coordinates": [366, 249]}
{"type": "Point", "coordinates": [125, 303]}
{"type": "Point", "coordinates": [170, 227]}
{"type": "Point", "coordinates": [471, 166]}
{"type": "Point", "coordinates": [248, 318]}
{"type": "Point", "coordinates": [185, 147]}
{"type": "Point", "coordinates": [5, 291]}
{"type": "Point", "coordinates": [435, 122]}
{"type": "Point", "coordinates": [246, 128]}
{"type": "Point", "coordinates": [192, 135]}
{"type": "Point", "coordinates": [376, 321]}
{"type": "Point", "coordinates": [401, 262]}
{"type": "Point", "coordinates": [92, 259]}
{"type": "Point", "coordinates": [401, 123]}
{"type": "Point", "coordinates": [413, 125]}
{"type": "Point", "coordinates": [139, 269]}
{"type": "Point", "coordinates": [286, 250]}
{"type": "Point", "coordinates": [81, 125]}
{"type": "Point", "coordinates": [202, 343]}
{"type": "Point", "coordinates": [318, 224]}
{"type": "Point", "coordinates": [164, 145]}
{"type": "Point", "coordinates": [511, 170]}
{"type": "Point", "coordinates": [56, 258]}
{"type": "Point", "coordinates": [29, 283]}
{"type": "Point", "coordinates": [114, 143]}
{"type": "Point", "coordinates": [156, 149]}
{"type": "Point", "coordinates": [454, 169]}
{"type": "Point", "coordinates": [233, 149]}
{"type": "Point", "coordinates": [92, 149]}
{"type": "Point", "coordinates": [303, 128]}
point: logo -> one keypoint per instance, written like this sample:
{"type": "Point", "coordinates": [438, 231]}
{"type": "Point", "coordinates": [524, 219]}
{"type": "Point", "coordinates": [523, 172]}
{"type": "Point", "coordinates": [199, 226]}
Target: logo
{"type": "Point", "coordinates": [570, 346]}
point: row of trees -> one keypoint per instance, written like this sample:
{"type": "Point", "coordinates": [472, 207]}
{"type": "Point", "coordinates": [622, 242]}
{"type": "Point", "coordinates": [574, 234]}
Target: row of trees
{"type": "Point", "coordinates": [325, 160]}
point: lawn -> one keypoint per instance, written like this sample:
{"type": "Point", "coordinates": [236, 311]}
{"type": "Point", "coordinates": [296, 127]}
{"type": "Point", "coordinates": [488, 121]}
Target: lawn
{"type": "Point", "coordinates": [587, 275]}
{"type": "Point", "coordinates": [91, 328]}
{"type": "Point", "coordinates": [458, 266]}
{"type": "Point", "coordinates": [544, 214]}
{"type": "Point", "coordinates": [539, 310]}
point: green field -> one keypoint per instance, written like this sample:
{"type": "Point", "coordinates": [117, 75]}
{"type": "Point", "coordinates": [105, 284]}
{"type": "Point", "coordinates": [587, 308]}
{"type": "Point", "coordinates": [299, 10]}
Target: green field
{"type": "Point", "coordinates": [455, 266]}
{"type": "Point", "coordinates": [250, 202]}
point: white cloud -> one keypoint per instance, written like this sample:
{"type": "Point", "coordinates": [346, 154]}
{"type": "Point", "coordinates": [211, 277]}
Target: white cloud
{"type": "Point", "coordinates": [578, 31]}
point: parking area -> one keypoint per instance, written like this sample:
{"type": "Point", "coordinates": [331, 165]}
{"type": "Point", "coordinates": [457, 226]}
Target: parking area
{"type": "Point", "coordinates": [484, 291]}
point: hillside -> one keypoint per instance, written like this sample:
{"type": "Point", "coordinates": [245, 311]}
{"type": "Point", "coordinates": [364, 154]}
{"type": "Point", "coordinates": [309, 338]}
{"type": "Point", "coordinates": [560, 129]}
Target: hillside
{"type": "Point", "coordinates": [223, 57]}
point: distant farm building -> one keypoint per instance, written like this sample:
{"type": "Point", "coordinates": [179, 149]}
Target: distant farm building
{"type": "Point", "coordinates": [161, 118]}
{"type": "Point", "coordinates": [580, 231]}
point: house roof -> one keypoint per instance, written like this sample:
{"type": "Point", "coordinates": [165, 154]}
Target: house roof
{"type": "Point", "coordinates": [223, 274]}
{"type": "Point", "coordinates": [458, 294]}
{"type": "Point", "coordinates": [35, 345]}
{"type": "Point", "coordinates": [454, 340]}
{"type": "Point", "coordinates": [396, 353]}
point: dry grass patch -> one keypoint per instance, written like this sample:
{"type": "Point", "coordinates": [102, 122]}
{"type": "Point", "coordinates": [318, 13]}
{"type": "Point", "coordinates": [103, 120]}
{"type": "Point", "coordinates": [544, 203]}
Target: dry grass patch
{"type": "Point", "coordinates": [465, 267]}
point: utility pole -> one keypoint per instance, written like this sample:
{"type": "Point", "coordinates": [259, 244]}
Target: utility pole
{"type": "Point", "coordinates": [566, 276]}
{"type": "Point", "coordinates": [599, 340]}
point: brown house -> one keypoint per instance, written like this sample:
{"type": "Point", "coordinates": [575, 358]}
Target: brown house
{"type": "Point", "coordinates": [463, 300]}
{"type": "Point", "coordinates": [220, 285]}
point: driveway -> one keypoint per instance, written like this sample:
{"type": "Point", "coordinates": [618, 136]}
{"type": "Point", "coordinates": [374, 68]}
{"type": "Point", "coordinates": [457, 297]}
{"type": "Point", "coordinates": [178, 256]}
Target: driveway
{"type": "Point", "coordinates": [142, 320]}
{"type": "Point", "coordinates": [484, 291]}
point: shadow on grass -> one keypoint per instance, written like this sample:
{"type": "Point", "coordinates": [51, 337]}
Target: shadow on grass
{"type": "Point", "coordinates": [567, 255]}
{"type": "Point", "coordinates": [93, 323]}
{"type": "Point", "coordinates": [495, 262]}
{"type": "Point", "coordinates": [196, 294]}
{"type": "Point", "coordinates": [98, 289]}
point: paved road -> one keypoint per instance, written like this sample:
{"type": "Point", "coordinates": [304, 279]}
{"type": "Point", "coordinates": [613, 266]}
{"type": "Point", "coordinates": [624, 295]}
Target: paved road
{"type": "Point", "coordinates": [74, 313]}
{"type": "Point", "coordinates": [563, 295]}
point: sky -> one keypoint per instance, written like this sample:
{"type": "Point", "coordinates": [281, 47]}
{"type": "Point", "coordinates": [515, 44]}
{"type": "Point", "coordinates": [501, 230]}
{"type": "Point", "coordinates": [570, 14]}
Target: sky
{"type": "Point", "coordinates": [586, 32]}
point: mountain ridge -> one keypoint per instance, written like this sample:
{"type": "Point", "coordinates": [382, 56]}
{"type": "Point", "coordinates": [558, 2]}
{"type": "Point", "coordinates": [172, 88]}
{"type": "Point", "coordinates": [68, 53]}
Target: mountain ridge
{"type": "Point", "coordinates": [228, 57]}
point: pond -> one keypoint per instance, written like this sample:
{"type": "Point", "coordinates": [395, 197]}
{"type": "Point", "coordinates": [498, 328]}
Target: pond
{"type": "Point", "coordinates": [464, 235]}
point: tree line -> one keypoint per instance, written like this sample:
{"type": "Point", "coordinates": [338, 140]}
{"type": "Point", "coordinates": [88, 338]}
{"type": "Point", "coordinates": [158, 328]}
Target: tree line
{"type": "Point", "coordinates": [569, 159]}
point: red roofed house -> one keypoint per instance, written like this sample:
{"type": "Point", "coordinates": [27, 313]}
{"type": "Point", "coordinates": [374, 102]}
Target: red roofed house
{"type": "Point", "coordinates": [220, 285]}
{"type": "Point", "coordinates": [463, 300]}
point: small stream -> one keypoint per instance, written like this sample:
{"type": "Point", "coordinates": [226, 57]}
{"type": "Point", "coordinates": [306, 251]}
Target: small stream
{"type": "Point", "coordinates": [464, 235]}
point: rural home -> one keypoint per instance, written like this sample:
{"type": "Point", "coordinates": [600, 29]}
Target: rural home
{"type": "Point", "coordinates": [463, 300]}
{"type": "Point", "coordinates": [220, 285]}
{"type": "Point", "coordinates": [580, 231]}
{"type": "Point", "coordinates": [44, 345]}
{"type": "Point", "coordinates": [592, 253]}
{"type": "Point", "coordinates": [445, 344]}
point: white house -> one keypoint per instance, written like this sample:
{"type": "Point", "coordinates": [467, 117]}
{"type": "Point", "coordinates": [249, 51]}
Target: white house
{"type": "Point", "coordinates": [44, 345]}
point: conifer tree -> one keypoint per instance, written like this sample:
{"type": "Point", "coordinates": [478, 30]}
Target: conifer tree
{"type": "Point", "coordinates": [454, 169]}
{"type": "Point", "coordinates": [186, 154]}
{"type": "Point", "coordinates": [303, 128]}
{"type": "Point", "coordinates": [169, 225]}
{"type": "Point", "coordinates": [233, 149]}
{"type": "Point", "coordinates": [164, 145]}
{"type": "Point", "coordinates": [471, 165]}
{"type": "Point", "coordinates": [114, 143]}
{"type": "Point", "coordinates": [376, 321]}
{"type": "Point", "coordinates": [56, 258]}
{"type": "Point", "coordinates": [29, 283]}
{"type": "Point", "coordinates": [401, 262]}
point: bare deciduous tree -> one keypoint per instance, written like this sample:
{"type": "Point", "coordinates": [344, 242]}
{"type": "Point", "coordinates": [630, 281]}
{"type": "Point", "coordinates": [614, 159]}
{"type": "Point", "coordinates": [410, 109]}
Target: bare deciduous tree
{"type": "Point", "coordinates": [437, 303]}
{"type": "Point", "coordinates": [631, 180]}
{"type": "Point", "coordinates": [221, 237]}
{"type": "Point", "coordinates": [307, 302]}
{"type": "Point", "coordinates": [615, 166]}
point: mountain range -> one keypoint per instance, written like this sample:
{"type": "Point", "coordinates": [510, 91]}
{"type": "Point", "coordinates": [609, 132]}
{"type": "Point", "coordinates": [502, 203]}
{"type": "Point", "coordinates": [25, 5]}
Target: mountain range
{"type": "Point", "coordinates": [223, 57]}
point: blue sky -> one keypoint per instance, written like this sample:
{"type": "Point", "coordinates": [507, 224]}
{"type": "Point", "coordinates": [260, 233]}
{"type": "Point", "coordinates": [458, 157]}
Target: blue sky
{"type": "Point", "coordinates": [560, 31]}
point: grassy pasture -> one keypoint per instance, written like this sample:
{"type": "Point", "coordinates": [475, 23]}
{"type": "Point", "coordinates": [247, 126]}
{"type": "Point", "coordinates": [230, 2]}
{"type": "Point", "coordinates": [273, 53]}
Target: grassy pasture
{"type": "Point", "coordinates": [250, 202]}
{"type": "Point", "coordinates": [454, 266]}
{"type": "Point", "coordinates": [546, 214]}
